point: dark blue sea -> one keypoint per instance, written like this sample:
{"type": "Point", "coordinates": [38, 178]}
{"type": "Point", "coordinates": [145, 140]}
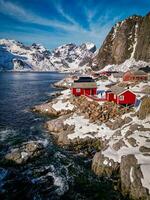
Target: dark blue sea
{"type": "Point", "coordinates": [60, 174]}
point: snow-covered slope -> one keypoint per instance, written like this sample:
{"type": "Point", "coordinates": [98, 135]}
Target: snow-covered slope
{"type": "Point", "coordinates": [70, 57]}
{"type": "Point", "coordinates": [127, 65]}
{"type": "Point", "coordinates": [73, 57]}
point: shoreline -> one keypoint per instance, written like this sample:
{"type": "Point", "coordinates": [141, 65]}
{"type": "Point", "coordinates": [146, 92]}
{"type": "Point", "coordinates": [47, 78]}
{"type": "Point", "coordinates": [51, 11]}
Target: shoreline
{"type": "Point", "coordinates": [94, 136]}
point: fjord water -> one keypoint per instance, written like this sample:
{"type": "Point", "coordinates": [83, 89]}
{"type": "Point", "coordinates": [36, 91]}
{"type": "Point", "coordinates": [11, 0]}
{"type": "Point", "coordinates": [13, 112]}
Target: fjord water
{"type": "Point", "coordinates": [58, 175]}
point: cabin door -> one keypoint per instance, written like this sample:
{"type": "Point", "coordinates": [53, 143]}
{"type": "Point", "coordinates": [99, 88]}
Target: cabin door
{"type": "Point", "coordinates": [87, 92]}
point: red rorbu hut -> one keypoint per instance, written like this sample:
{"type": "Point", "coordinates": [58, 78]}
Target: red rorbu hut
{"type": "Point", "coordinates": [84, 86]}
{"type": "Point", "coordinates": [121, 95]}
{"type": "Point", "coordinates": [135, 76]}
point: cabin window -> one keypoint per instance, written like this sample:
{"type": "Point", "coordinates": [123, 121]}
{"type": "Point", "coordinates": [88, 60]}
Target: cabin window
{"type": "Point", "coordinates": [78, 90]}
{"type": "Point", "coordinates": [121, 97]}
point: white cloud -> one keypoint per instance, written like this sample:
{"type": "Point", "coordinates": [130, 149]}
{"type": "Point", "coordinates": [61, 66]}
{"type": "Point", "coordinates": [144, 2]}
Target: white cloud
{"type": "Point", "coordinates": [74, 31]}
{"type": "Point", "coordinates": [23, 15]}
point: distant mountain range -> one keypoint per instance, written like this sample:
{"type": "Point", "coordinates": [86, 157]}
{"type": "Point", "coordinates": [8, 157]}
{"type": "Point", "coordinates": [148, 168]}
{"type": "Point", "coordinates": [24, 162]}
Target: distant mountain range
{"type": "Point", "coordinates": [70, 57]}
{"type": "Point", "coordinates": [127, 40]}
{"type": "Point", "coordinates": [127, 44]}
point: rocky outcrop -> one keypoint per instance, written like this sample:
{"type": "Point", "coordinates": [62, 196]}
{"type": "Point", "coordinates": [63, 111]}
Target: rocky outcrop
{"type": "Point", "coordinates": [45, 109]}
{"type": "Point", "coordinates": [144, 110]}
{"type": "Point", "coordinates": [59, 130]}
{"type": "Point", "coordinates": [96, 112]}
{"type": "Point", "coordinates": [118, 123]}
{"type": "Point", "coordinates": [129, 171]}
{"type": "Point", "coordinates": [131, 175]}
{"type": "Point", "coordinates": [61, 108]}
{"type": "Point", "coordinates": [127, 39]}
{"type": "Point", "coordinates": [27, 151]}
{"type": "Point", "coordinates": [102, 165]}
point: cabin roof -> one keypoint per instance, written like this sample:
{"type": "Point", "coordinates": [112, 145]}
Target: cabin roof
{"type": "Point", "coordinates": [88, 85]}
{"type": "Point", "coordinates": [117, 90]}
{"type": "Point", "coordinates": [85, 79]}
{"type": "Point", "coordinates": [139, 73]}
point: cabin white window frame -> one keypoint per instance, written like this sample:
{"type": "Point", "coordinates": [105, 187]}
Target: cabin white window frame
{"type": "Point", "coordinates": [78, 89]}
{"type": "Point", "coordinates": [115, 96]}
{"type": "Point", "coordinates": [121, 97]}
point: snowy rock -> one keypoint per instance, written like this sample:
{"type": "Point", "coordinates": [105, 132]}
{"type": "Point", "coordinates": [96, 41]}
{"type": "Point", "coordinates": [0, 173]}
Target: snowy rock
{"type": "Point", "coordinates": [27, 151]}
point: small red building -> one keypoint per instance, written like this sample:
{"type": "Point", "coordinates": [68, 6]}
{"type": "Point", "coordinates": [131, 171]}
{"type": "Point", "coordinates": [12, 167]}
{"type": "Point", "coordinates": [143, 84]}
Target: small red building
{"type": "Point", "coordinates": [135, 76]}
{"type": "Point", "coordinates": [84, 86]}
{"type": "Point", "coordinates": [121, 95]}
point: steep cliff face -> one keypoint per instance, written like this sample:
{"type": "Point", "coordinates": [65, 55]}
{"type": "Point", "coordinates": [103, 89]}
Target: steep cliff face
{"type": "Point", "coordinates": [127, 39]}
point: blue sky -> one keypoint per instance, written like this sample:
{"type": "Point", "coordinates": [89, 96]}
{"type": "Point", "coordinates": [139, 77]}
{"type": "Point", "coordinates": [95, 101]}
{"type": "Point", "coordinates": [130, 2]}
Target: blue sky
{"type": "Point", "coordinates": [56, 22]}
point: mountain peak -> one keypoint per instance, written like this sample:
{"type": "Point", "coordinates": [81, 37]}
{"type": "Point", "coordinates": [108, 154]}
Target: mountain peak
{"type": "Point", "coordinates": [68, 57]}
{"type": "Point", "coordinates": [124, 41]}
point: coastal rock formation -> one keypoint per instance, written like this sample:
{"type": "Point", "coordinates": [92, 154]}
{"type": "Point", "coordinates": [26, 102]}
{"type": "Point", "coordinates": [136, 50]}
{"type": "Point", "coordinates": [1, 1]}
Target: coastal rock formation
{"type": "Point", "coordinates": [131, 178]}
{"type": "Point", "coordinates": [55, 108]}
{"type": "Point", "coordinates": [27, 151]}
{"type": "Point", "coordinates": [128, 39]}
{"type": "Point", "coordinates": [102, 165]}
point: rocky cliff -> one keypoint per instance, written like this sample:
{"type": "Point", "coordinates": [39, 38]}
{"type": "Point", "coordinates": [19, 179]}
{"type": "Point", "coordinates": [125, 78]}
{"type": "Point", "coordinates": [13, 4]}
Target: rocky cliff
{"type": "Point", "coordinates": [128, 39]}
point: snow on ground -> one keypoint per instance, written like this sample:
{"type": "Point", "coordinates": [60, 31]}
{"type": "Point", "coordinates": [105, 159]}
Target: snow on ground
{"type": "Point", "coordinates": [83, 128]}
{"type": "Point", "coordinates": [63, 106]}
{"type": "Point", "coordinates": [131, 174]}
{"type": "Point", "coordinates": [139, 87]}
{"type": "Point", "coordinates": [126, 65]}
{"type": "Point", "coordinates": [141, 139]}
{"type": "Point", "coordinates": [135, 41]}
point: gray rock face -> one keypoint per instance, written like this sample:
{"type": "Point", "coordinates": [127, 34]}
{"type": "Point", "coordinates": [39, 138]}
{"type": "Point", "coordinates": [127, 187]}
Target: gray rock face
{"type": "Point", "coordinates": [27, 151]}
{"type": "Point", "coordinates": [127, 39]}
{"type": "Point", "coordinates": [104, 166]}
{"type": "Point", "coordinates": [131, 175]}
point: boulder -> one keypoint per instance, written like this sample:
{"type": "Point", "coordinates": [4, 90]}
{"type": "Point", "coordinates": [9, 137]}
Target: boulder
{"type": "Point", "coordinates": [118, 123]}
{"type": "Point", "coordinates": [27, 151]}
{"type": "Point", "coordinates": [144, 149]}
{"type": "Point", "coordinates": [46, 109]}
{"type": "Point", "coordinates": [102, 165]}
{"type": "Point", "coordinates": [119, 144]}
{"type": "Point", "coordinates": [56, 125]}
{"type": "Point", "coordinates": [130, 174]}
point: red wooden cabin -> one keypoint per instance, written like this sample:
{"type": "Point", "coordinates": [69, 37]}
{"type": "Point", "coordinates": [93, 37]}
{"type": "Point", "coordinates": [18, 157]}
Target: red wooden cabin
{"type": "Point", "coordinates": [121, 96]}
{"type": "Point", "coordinates": [135, 76]}
{"type": "Point", "coordinates": [84, 86]}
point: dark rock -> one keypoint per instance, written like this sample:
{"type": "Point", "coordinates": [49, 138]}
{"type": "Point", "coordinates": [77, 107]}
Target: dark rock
{"type": "Point", "coordinates": [27, 151]}
{"type": "Point", "coordinates": [119, 43]}
{"type": "Point", "coordinates": [131, 175]}
{"type": "Point", "coordinates": [102, 165]}
{"type": "Point", "coordinates": [144, 149]}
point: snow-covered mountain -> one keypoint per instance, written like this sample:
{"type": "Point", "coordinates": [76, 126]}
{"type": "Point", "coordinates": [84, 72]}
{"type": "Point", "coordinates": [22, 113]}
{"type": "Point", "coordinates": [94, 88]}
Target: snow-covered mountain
{"type": "Point", "coordinates": [127, 40]}
{"type": "Point", "coordinates": [70, 57]}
